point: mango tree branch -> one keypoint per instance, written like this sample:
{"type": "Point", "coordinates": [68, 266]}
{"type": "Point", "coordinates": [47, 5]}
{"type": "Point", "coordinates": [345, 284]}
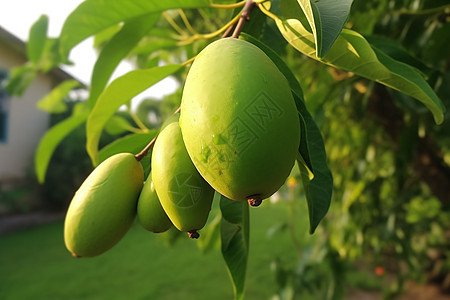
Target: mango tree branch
{"type": "Point", "coordinates": [243, 17]}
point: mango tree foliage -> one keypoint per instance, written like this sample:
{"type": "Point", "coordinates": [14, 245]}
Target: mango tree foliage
{"type": "Point", "coordinates": [327, 50]}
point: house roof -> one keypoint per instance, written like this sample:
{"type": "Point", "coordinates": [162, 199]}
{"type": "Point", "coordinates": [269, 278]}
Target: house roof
{"type": "Point", "coordinates": [17, 45]}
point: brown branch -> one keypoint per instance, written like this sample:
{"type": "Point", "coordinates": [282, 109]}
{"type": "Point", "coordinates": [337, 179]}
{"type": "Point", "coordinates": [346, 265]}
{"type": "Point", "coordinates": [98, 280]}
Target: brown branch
{"type": "Point", "coordinates": [244, 17]}
{"type": "Point", "coordinates": [144, 151]}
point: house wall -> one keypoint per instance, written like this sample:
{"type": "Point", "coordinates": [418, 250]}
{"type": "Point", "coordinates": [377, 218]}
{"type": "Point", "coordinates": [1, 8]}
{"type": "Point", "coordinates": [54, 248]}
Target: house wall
{"type": "Point", "coordinates": [26, 124]}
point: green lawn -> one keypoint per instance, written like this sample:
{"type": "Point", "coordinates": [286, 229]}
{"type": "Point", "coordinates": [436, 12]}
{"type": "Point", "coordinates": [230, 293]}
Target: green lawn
{"type": "Point", "coordinates": [34, 264]}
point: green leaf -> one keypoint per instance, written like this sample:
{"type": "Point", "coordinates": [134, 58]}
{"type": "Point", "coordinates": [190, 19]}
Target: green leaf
{"type": "Point", "coordinates": [235, 241]}
{"type": "Point", "coordinates": [396, 51]}
{"type": "Point", "coordinates": [120, 92]}
{"type": "Point", "coordinates": [20, 78]}
{"type": "Point", "coordinates": [352, 53]}
{"type": "Point", "coordinates": [37, 38]}
{"type": "Point", "coordinates": [132, 143]}
{"type": "Point", "coordinates": [118, 125]}
{"type": "Point", "coordinates": [53, 102]}
{"type": "Point", "coordinates": [53, 137]}
{"type": "Point", "coordinates": [326, 18]}
{"type": "Point", "coordinates": [210, 239]}
{"type": "Point", "coordinates": [50, 57]}
{"type": "Point", "coordinates": [318, 188]}
{"type": "Point", "coordinates": [116, 50]}
{"type": "Point", "coordinates": [93, 16]}
{"type": "Point", "coordinates": [150, 45]}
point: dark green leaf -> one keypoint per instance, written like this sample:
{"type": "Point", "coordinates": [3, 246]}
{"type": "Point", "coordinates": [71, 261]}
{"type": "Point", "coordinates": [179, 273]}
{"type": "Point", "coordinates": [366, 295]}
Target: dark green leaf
{"type": "Point", "coordinates": [396, 51]}
{"type": "Point", "coordinates": [132, 143]}
{"type": "Point", "coordinates": [352, 53]}
{"type": "Point", "coordinates": [120, 92]}
{"type": "Point", "coordinates": [326, 18]}
{"type": "Point", "coordinates": [116, 50]}
{"type": "Point", "coordinates": [54, 101]}
{"type": "Point", "coordinates": [235, 241]}
{"type": "Point", "coordinates": [93, 16]}
{"type": "Point", "coordinates": [36, 39]}
{"type": "Point", "coordinates": [53, 137]}
{"type": "Point", "coordinates": [318, 189]}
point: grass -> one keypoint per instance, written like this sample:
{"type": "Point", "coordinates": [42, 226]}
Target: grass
{"type": "Point", "coordinates": [34, 264]}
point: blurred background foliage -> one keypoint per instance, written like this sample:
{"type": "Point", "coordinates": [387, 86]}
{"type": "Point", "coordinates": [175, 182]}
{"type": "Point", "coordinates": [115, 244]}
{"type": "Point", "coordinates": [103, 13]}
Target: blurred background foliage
{"type": "Point", "coordinates": [389, 221]}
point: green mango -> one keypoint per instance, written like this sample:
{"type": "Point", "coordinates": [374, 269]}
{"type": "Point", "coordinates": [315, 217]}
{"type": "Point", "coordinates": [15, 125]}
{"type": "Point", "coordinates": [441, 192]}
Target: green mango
{"type": "Point", "coordinates": [239, 120]}
{"type": "Point", "coordinates": [150, 213]}
{"type": "Point", "coordinates": [104, 207]}
{"type": "Point", "coordinates": [185, 196]}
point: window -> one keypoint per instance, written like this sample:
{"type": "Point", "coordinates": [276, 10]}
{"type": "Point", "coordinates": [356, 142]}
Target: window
{"type": "Point", "coordinates": [4, 107]}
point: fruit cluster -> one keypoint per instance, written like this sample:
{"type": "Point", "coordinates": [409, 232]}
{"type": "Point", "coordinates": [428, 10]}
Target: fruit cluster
{"type": "Point", "coordinates": [238, 133]}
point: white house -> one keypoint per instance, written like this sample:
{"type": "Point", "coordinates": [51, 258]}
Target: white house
{"type": "Point", "coordinates": [21, 123]}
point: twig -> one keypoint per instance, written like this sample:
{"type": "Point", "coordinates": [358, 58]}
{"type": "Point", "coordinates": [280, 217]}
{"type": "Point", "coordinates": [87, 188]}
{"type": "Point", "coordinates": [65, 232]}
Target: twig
{"type": "Point", "coordinates": [243, 17]}
{"type": "Point", "coordinates": [228, 31]}
{"type": "Point", "coordinates": [150, 145]}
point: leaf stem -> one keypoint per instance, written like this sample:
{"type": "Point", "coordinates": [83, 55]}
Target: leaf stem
{"type": "Point", "coordinates": [228, 6]}
{"type": "Point", "coordinates": [174, 24]}
{"type": "Point", "coordinates": [267, 12]}
{"type": "Point", "coordinates": [190, 60]}
{"type": "Point", "coordinates": [186, 22]}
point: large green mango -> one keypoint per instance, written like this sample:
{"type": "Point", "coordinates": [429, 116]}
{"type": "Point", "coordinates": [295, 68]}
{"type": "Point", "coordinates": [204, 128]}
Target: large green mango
{"type": "Point", "coordinates": [104, 207]}
{"type": "Point", "coordinates": [185, 196]}
{"type": "Point", "coordinates": [239, 120]}
{"type": "Point", "coordinates": [150, 213]}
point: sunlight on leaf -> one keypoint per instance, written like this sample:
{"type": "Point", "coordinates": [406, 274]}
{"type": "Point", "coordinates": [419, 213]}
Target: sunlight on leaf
{"type": "Point", "coordinates": [326, 18]}
{"type": "Point", "coordinates": [235, 242]}
{"type": "Point", "coordinates": [116, 50]}
{"type": "Point", "coordinates": [120, 92]}
{"type": "Point", "coordinates": [319, 187]}
{"type": "Point", "coordinates": [93, 16]}
{"type": "Point", "coordinates": [352, 53]}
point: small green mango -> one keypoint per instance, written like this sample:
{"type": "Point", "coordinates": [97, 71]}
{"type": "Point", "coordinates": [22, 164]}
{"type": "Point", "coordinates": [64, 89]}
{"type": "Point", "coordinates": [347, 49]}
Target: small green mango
{"type": "Point", "coordinates": [239, 120]}
{"type": "Point", "coordinates": [185, 196]}
{"type": "Point", "coordinates": [150, 213]}
{"type": "Point", "coordinates": [104, 207]}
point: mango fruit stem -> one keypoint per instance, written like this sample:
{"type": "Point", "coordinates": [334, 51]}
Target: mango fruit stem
{"type": "Point", "coordinates": [254, 200]}
{"type": "Point", "coordinates": [193, 234]}
{"type": "Point", "coordinates": [244, 17]}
